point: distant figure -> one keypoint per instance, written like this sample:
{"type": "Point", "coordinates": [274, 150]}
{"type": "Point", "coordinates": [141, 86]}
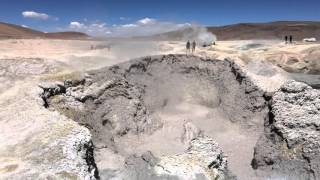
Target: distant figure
{"type": "Point", "coordinates": [290, 39]}
{"type": "Point", "coordinates": [91, 47]}
{"type": "Point", "coordinates": [193, 46]}
{"type": "Point", "coordinates": [188, 47]}
{"type": "Point", "coordinates": [286, 39]}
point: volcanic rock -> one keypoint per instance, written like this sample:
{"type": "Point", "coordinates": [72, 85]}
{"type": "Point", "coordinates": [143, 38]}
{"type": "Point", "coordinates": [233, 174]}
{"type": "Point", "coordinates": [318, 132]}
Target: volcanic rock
{"type": "Point", "coordinates": [290, 146]}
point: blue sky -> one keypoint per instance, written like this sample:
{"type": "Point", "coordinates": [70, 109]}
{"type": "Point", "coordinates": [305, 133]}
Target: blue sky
{"type": "Point", "coordinates": [111, 16]}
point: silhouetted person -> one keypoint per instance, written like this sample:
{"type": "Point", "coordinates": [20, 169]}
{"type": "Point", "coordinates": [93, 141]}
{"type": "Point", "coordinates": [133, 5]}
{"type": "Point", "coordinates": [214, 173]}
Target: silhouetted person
{"type": "Point", "coordinates": [194, 46]}
{"type": "Point", "coordinates": [290, 39]}
{"type": "Point", "coordinates": [188, 47]}
{"type": "Point", "coordinates": [286, 39]}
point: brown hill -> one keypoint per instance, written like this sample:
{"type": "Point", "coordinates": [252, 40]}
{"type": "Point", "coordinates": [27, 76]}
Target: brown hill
{"type": "Point", "coordinates": [8, 31]}
{"type": "Point", "coordinates": [247, 31]}
{"type": "Point", "coordinates": [14, 31]}
{"type": "Point", "coordinates": [272, 30]}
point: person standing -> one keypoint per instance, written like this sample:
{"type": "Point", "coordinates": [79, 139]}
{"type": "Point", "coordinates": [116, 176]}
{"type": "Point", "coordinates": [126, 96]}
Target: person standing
{"type": "Point", "coordinates": [290, 39]}
{"type": "Point", "coordinates": [188, 47]}
{"type": "Point", "coordinates": [193, 46]}
{"type": "Point", "coordinates": [286, 39]}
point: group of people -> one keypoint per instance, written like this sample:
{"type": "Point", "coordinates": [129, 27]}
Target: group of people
{"type": "Point", "coordinates": [288, 39]}
{"type": "Point", "coordinates": [188, 47]}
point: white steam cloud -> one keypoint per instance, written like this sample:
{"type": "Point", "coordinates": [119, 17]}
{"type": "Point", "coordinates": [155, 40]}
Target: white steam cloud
{"type": "Point", "coordinates": [201, 35]}
{"type": "Point", "coordinates": [192, 33]}
{"type": "Point", "coordinates": [143, 27]}
{"type": "Point", "coordinates": [146, 27]}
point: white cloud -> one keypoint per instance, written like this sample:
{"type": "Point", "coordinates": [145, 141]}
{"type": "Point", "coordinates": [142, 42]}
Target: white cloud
{"type": "Point", "coordinates": [95, 29]}
{"type": "Point", "coordinates": [129, 25]}
{"type": "Point", "coordinates": [147, 21]}
{"type": "Point", "coordinates": [142, 27]}
{"type": "Point", "coordinates": [146, 26]}
{"type": "Point", "coordinates": [38, 16]}
{"type": "Point", "coordinates": [101, 25]}
{"type": "Point", "coordinates": [76, 25]}
{"type": "Point", "coordinates": [35, 15]}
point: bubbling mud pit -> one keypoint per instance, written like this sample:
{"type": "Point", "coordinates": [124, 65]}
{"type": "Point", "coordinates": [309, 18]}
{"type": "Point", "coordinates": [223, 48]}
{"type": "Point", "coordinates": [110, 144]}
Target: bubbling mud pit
{"type": "Point", "coordinates": [169, 117]}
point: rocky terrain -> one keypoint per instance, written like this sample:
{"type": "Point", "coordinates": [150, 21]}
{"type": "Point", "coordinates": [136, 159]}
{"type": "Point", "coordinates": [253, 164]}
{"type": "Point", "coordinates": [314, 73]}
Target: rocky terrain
{"type": "Point", "coordinates": [290, 144]}
{"type": "Point", "coordinates": [126, 104]}
{"type": "Point", "coordinates": [157, 117]}
{"type": "Point", "coordinates": [134, 107]}
{"type": "Point", "coordinates": [13, 70]}
{"type": "Point", "coordinates": [38, 144]}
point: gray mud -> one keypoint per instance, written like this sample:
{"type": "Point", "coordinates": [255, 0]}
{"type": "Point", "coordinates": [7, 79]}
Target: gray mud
{"type": "Point", "coordinates": [312, 80]}
{"type": "Point", "coordinates": [161, 104]}
{"type": "Point", "coordinates": [144, 104]}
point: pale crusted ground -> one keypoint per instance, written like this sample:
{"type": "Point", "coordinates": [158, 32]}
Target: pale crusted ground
{"type": "Point", "coordinates": [34, 141]}
{"type": "Point", "coordinates": [294, 57]}
{"type": "Point", "coordinates": [24, 123]}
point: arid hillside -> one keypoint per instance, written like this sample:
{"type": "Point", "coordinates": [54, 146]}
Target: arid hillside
{"type": "Point", "coordinates": [8, 31]}
{"type": "Point", "coordinates": [273, 30]}
{"type": "Point", "coordinates": [252, 31]}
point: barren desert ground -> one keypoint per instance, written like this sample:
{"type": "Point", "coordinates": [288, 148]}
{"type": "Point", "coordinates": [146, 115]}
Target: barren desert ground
{"type": "Point", "coordinates": [40, 134]}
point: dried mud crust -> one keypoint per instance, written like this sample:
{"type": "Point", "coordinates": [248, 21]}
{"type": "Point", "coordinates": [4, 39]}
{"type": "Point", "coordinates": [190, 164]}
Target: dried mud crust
{"type": "Point", "coordinates": [117, 101]}
{"type": "Point", "coordinates": [13, 70]}
{"type": "Point", "coordinates": [290, 146]}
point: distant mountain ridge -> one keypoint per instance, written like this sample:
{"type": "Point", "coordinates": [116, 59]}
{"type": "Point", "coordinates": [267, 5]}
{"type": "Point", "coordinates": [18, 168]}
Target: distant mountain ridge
{"type": "Point", "coordinates": [271, 30]}
{"type": "Point", "coordinates": [12, 31]}
{"type": "Point", "coordinates": [249, 31]}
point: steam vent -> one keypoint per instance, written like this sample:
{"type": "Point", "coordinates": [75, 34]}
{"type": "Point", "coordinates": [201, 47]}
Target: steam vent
{"type": "Point", "coordinates": [182, 117]}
